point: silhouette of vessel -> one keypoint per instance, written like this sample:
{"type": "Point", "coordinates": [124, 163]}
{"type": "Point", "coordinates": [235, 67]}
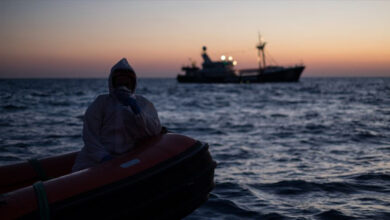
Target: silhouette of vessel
{"type": "Point", "coordinates": [224, 72]}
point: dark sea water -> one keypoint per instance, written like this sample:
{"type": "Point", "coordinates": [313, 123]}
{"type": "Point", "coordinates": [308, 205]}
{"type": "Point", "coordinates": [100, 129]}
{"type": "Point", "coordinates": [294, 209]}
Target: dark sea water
{"type": "Point", "coordinates": [317, 149]}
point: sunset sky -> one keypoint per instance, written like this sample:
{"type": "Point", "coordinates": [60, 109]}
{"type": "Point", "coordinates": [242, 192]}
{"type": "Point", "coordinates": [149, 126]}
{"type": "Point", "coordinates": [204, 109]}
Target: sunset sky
{"type": "Point", "coordinates": [85, 38]}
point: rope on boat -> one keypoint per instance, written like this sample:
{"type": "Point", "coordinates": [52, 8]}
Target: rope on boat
{"type": "Point", "coordinates": [43, 203]}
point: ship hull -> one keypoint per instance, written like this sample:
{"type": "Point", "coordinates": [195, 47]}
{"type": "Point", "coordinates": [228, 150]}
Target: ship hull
{"type": "Point", "coordinates": [291, 74]}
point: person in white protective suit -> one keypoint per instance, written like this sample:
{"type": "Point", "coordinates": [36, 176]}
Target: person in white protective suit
{"type": "Point", "coordinates": [114, 122]}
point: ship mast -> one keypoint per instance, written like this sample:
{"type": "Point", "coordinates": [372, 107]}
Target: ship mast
{"type": "Point", "coordinates": [260, 54]}
{"type": "Point", "coordinates": [206, 57]}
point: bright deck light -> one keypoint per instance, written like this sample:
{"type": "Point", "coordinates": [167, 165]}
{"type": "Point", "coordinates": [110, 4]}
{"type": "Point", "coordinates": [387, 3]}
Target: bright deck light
{"type": "Point", "coordinates": [223, 57]}
{"type": "Point", "coordinates": [234, 63]}
{"type": "Point", "coordinates": [230, 58]}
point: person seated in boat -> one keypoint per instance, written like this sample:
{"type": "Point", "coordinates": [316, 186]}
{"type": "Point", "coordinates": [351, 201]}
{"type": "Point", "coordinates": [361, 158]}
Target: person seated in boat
{"type": "Point", "coordinates": [114, 122]}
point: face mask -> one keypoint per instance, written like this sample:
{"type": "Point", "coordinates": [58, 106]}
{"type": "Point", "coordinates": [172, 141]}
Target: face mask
{"type": "Point", "coordinates": [124, 88]}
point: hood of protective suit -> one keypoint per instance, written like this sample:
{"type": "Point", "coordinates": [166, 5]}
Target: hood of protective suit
{"type": "Point", "coordinates": [121, 65]}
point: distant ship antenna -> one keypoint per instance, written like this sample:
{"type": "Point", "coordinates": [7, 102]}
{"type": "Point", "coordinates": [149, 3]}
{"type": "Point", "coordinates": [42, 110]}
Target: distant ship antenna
{"type": "Point", "coordinates": [260, 53]}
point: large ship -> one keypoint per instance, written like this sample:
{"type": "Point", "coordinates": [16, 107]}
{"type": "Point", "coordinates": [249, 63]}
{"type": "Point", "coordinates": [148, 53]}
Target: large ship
{"type": "Point", "coordinates": [224, 72]}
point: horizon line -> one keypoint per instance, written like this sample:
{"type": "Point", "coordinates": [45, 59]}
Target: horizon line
{"type": "Point", "coordinates": [170, 77]}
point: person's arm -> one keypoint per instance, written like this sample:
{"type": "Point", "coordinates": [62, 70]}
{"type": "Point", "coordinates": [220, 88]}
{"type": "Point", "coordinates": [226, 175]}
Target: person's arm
{"type": "Point", "coordinates": [93, 122]}
{"type": "Point", "coordinates": [152, 122]}
{"type": "Point", "coordinates": [148, 118]}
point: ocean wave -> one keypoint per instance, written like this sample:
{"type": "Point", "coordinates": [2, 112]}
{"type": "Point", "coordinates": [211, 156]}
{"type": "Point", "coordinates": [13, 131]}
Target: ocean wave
{"type": "Point", "coordinates": [79, 93]}
{"type": "Point", "coordinates": [234, 154]}
{"type": "Point", "coordinates": [40, 94]}
{"type": "Point", "coordinates": [364, 134]}
{"type": "Point", "coordinates": [16, 144]}
{"type": "Point", "coordinates": [12, 107]}
{"type": "Point", "coordinates": [195, 130]}
{"type": "Point", "coordinates": [8, 159]}
{"type": "Point", "coordinates": [274, 216]}
{"type": "Point", "coordinates": [80, 117]}
{"type": "Point", "coordinates": [59, 103]}
{"type": "Point", "coordinates": [230, 209]}
{"type": "Point", "coordinates": [373, 176]}
{"type": "Point", "coordinates": [384, 148]}
{"type": "Point", "coordinates": [334, 215]}
{"type": "Point", "coordinates": [63, 136]}
{"type": "Point", "coordinates": [298, 187]}
{"type": "Point", "coordinates": [277, 115]}
{"type": "Point", "coordinates": [4, 123]}
{"type": "Point", "coordinates": [315, 127]}
{"type": "Point", "coordinates": [230, 189]}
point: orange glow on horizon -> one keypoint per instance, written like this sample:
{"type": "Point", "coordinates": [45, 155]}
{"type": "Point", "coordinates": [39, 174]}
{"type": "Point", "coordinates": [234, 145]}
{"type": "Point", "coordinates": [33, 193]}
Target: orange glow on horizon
{"type": "Point", "coordinates": [72, 39]}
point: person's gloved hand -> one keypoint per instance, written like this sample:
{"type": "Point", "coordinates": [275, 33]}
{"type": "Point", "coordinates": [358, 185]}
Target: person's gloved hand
{"type": "Point", "coordinates": [134, 105]}
{"type": "Point", "coordinates": [126, 99]}
{"type": "Point", "coordinates": [106, 158]}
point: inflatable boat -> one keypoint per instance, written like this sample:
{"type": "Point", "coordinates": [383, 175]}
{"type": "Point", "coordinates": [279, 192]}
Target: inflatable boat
{"type": "Point", "coordinates": [165, 177]}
